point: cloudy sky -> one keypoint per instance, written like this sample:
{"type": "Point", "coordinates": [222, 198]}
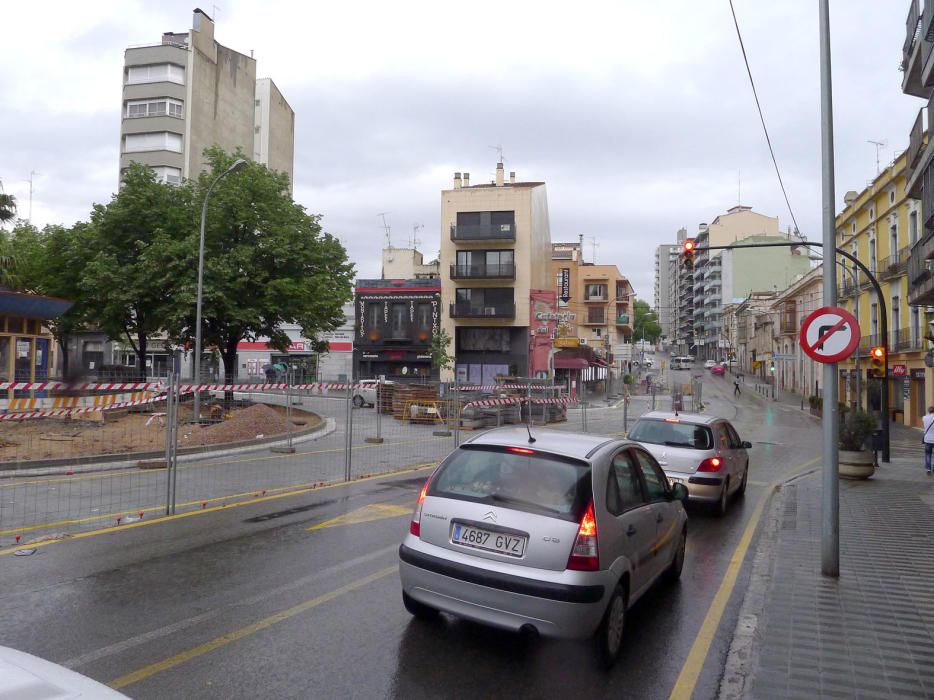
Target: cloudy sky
{"type": "Point", "coordinates": [638, 115]}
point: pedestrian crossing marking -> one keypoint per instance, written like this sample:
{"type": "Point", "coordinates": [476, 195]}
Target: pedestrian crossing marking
{"type": "Point", "coordinates": [374, 511]}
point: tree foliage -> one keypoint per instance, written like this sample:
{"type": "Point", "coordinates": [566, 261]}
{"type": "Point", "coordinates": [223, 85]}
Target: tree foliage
{"type": "Point", "coordinates": [439, 349]}
{"type": "Point", "coordinates": [267, 263]}
{"type": "Point", "coordinates": [7, 208]}
{"type": "Point", "coordinates": [645, 322]}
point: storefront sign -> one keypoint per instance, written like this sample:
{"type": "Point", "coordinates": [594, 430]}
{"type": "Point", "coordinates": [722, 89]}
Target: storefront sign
{"type": "Point", "coordinates": [565, 294]}
{"type": "Point", "coordinates": [562, 316]}
{"type": "Point", "coordinates": [567, 343]}
{"type": "Point", "coordinates": [906, 388]}
{"type": "Point", "coordinates": [899, 370]}
{"type": "Point", "coordinates": [917, 374]}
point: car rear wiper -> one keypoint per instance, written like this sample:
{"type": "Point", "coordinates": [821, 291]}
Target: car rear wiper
{"type": "Point", "coordinates": [498, 498]}
{"type": "Point", "coordinates": [672, 443]}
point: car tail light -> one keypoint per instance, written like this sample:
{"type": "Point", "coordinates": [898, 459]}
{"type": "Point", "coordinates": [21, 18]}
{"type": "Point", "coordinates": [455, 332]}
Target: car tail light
{"type": "Point", "coordinates": [415, 527]}
{"type": "Point", "coordinates": [711, 464]}
{"type": "Point", "coordinates": [520, 450]}
{"type": "Point", "coordinates": [584, 555]}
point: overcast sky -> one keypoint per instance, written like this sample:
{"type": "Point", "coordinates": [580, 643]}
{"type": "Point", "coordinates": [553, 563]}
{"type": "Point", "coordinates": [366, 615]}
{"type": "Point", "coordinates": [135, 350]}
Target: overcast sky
{"type": "Point", "coordinates": [637, 115]}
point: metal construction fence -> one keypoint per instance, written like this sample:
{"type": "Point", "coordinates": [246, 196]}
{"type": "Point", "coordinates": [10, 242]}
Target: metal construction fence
{"type": "Point", "coordinates": [105, 457]}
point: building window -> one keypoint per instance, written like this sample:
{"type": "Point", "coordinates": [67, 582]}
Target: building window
{"type": "Point", "coordinates": [398, 313]}
{"type": "Point", "coordinates": [154, 108]}
{"type": "Point", "coordinates": [896, 320]}
{"type": "Point", "coordinates": [872, 254]}
{"type": "Point", "coordinates": [172, 176]}
{"type": "Point", "coordinates": [155, 141]}
{"type": "Point", "coordinates": [373, 314]}
{"type": "Point", "coordinates": [915, 327]}
{"type": "Point", "coordinates": [872, 213]}
{"type": "Point", "coordinates": [892, 197]}
{"type": "Point", "coordinates": [912, 227]}
{"type": "Point", "coordinates": [155, 73]}
{"type": "Point", "coordinates": [893, 239]}
{"type": "Point", "coordinates": [595, 291]}
{"type": "Point", "coordinates": [423, 316]}
{"type": "Point", "coordinates": [874, 321]}
{"type": "Point", "coordinates": [597, 332]}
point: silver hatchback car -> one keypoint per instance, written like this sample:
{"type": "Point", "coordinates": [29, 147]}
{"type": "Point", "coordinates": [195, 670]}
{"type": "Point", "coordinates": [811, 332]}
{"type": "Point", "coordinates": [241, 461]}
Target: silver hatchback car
{"type": "Point", "coordinates": [552, 532]}
{"type": "Point", "coordinates": [705, 453]}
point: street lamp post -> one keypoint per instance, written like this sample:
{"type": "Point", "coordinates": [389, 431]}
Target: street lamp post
{"type": "Point", "coordinates": [238, 165]}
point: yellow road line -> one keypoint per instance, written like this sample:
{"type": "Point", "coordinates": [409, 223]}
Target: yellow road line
{"type": "Point", "coordinates": [374, 511]}
{"type": "Point", "coordinates": [690, 672]}
{"type": "Point", "coordinates": [258, 626]}
{"type": "Point", "coordinates": [179, 516]}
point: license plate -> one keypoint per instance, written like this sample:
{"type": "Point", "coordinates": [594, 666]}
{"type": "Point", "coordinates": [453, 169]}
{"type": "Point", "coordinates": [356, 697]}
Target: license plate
{"type": "Point", "coordinates": [478, 538]}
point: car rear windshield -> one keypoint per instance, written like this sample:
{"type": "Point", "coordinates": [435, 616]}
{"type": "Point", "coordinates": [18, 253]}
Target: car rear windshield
{"type": "Point", "coordinates": [517, 478]}
{"type": "Point", "coordinates": [662, 432]}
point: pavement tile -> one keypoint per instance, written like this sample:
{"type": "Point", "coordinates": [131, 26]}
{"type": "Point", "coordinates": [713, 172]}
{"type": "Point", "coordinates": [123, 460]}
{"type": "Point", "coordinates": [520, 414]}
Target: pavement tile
{"type": "Point", "coordinates": [870, 633]}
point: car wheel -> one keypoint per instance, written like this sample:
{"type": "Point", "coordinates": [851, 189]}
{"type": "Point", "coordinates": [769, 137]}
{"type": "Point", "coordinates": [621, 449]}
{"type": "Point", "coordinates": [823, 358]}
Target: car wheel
{"type": "Point", "coordinates": [358, 401]}
{"type": "Point", "coordinates": [724, 498]}
{"type": "Point", "coordinates": [742, 484]}
{"type": "Point", "coordinates": [416, 609]}
{"type": "Point", "coordinates": [610, 633]}
{"type": "Point", "coordinates": [677, 564]}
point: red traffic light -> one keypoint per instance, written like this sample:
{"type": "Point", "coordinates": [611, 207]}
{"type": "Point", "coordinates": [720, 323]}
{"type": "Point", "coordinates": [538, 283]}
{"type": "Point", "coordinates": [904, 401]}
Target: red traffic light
{"type": "Point", "coordinates": [877, 353]}
{"type": "Point", "coordinates": [689, 245]}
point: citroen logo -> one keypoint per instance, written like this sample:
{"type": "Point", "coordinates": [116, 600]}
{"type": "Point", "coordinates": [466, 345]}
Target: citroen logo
{"type": "Point", "coordinates": [491, 516]}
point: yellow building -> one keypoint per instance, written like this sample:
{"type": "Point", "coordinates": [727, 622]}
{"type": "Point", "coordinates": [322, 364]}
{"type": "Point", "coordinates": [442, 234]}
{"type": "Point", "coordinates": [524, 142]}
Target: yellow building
{"type": "Point", "coordinates": [879, 226]}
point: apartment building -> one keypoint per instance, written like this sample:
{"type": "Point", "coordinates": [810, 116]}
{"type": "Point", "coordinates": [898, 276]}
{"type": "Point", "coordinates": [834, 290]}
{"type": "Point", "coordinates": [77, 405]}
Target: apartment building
{"type": "Point", "coordinates": [794, 370]}
{"type": "Point", "coordinates": [408, 264]}
{"type": "Point", "coordinates": [189, 92]}
{"type": "Point", "coordinates": [496, 255]}
{"type": "Point", "coordinates": [879, 225]}
{"type": "Point", "coordinates": [918, 80]}
{"type": "Point", "coordinates": [595, 302]}
{"type": "Point", "coordinates": [665, 304]}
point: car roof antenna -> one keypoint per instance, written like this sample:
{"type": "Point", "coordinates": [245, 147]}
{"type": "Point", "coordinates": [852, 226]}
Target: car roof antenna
{"type": "Point", "coordinates": [529, 428]}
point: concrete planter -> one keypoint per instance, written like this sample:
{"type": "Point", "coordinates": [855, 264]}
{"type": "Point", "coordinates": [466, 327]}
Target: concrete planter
{"type": "Point", "coordinates": [855, 465]}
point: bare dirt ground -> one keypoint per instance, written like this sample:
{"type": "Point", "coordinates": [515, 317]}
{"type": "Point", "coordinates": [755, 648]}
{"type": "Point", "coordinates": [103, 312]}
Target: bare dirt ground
{"type": "Point", "coordinates": [121, 432]}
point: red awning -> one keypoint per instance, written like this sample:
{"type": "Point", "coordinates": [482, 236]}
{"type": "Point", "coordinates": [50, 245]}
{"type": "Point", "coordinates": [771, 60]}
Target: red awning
{"type": "Point", "coordinates": [571, 363]}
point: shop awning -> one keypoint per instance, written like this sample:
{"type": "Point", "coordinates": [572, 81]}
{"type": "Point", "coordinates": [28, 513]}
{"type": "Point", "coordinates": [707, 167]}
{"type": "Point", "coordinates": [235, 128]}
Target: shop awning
{"type": "Point", "coordinates": [571, 363]}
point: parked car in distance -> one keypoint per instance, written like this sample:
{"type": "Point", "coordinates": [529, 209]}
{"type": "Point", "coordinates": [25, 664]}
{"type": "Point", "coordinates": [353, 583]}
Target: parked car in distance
{"type": "Point", "coordinates": [365, 392]}
{"type": "Point", "coordinates": [705, 453]}
{"type": "Point", "coordinates": [718, 370]}
{"type": "Point", "coordinates": [709, 363]}
{"type": "Point", "coordinates": [557, 533]}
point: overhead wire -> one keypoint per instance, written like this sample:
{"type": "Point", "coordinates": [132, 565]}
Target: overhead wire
{"type": "Point", "coordinates": [765, 129]}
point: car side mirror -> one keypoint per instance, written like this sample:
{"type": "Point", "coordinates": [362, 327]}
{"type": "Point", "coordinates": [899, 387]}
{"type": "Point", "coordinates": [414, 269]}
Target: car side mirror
{"type": "Point", "coordinates": [747, 445]}
{"type": "Point", "coordinates": [680, 492]}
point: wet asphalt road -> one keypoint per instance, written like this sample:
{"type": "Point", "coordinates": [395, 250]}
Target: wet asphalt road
{"type": "Point", "coordinates": [247, 602]}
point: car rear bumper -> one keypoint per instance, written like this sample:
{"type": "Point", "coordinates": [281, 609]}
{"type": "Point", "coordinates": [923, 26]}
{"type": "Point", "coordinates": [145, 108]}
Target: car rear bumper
{"type": "Point", "coordinates": [703, 487]}
{"type": "Point", "coordinates": [554, 609]}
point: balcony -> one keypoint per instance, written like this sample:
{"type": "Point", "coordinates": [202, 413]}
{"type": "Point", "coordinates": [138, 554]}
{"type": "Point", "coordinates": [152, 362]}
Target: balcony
{"type": "Point", "coordinates": [849, 289]}
{"type": "Point", "coordinates": [597, 298]}
{"type": "Point", "coordinates": [595, 319]}
{"type": "Point", "coordinates": [912, 59]}
{"type": "Point", "coordinates": [483, 232]}
{"type": "Point", "coordinates": [894, 265]}
{"type": "Point", "coordinates": [870, 341]}
{"type": "Point", "coordinates": [788, 323]}
{"type": "Point", "coordinates": [622, 320]}
{"type": "Point", "coordinates": [468, 310]}
{"type": "Point", "coordinates": [483, 272]}
{"type": "Point", "coordinates": [920, 280]}
{"type": "Point", "coordinates": [904, 340]}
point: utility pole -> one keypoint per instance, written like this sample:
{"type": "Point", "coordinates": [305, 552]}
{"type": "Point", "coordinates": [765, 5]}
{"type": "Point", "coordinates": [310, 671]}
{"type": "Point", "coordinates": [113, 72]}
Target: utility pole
{"type": "Point", "coordinates": [830, 506]}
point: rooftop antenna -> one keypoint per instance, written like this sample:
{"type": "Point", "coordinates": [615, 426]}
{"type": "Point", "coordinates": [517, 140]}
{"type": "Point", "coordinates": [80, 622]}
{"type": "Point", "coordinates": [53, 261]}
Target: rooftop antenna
{"type": "Point", "coordinates": [499, 152]}
{"type": "Point", "coordinates": [415, 230]}
{"type": "Point", "coordinates": [594, 246]}
{"type": "Point", "coordinates": [387, 228]}
{"type": "Point", "coordinates": [739, 187]}
{"type": "Point", "coordinates": [32, 174]}
{"type": "Point", "coordinates": [879, 145]}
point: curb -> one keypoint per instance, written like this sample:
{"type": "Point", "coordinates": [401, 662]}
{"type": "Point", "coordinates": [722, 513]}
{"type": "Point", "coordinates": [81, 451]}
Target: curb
{"type": "Point", "coordinates": [67, 467]}
{"type": "Point", "coordinates": [743, 655]}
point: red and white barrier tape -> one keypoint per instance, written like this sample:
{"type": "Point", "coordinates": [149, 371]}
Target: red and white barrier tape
{"type": "Point", "coordinates": [24, 415]}
{"type": "Point", "coordinates": [486, 403]}
{"type": "Point", "coordinates": [498, 387]}
{"type": "Point", "coordinates": [87, 386]}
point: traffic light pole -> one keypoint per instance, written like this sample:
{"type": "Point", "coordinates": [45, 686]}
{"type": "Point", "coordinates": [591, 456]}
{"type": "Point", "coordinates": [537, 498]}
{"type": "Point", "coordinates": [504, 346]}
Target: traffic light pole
{"type": "Point", "coordinates": [883, 322]}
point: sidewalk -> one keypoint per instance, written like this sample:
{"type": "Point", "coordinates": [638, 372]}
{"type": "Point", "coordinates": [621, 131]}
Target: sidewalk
{"type": "Point", "coordinates": [868, 634]}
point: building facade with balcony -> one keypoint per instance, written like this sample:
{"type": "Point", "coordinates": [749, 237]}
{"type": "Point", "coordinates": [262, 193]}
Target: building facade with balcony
{"type": "Point", "coordinates": [880, 226]}
{"type": "Point", "coordinates": [496, 251]}
{"type": "Point", "coordinates": [794, 370]}
{"type": "Point", "coordinates": [190, 92]}
{"type": "Point", "coordinates": [598, 311]}
{"type": "Point", "coordinates": [665, 306]}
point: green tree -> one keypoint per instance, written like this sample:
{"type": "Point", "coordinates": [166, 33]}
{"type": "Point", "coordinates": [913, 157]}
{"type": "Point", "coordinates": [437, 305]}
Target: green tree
{"type": "Point", "coordinates": [134, 268]}
{"type": "Point", "coordinates": [645, 322]}
{"type": "Point", "coordinates": [440, 345]}
{"type": "Point", "coordinates": [7, 208]}
{"type": "Point", "coordinates": [267, 263]}
{"type": "Point", "coordinates": [51, 262]}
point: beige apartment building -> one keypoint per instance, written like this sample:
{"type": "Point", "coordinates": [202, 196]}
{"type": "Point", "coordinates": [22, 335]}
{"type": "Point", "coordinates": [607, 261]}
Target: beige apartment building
{"type": "Point", "coordinates": [598, 311]}
{"type": "Point", "coordinates": [495, 252]}
{"type": "Point", "coordinates": [190, 92]}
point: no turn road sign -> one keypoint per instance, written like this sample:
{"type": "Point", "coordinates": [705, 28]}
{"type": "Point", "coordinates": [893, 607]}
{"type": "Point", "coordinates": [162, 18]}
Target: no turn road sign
{"type": "Point", "coordinates": [829, 334]}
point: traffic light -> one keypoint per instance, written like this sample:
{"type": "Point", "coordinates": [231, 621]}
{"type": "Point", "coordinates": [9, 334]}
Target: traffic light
{"type": "Point", "coordinates": [772, 366]}
{"type": "Point", "coordinates": [877, 361]}
{"type": "Point", "coordinates": [687, 255]}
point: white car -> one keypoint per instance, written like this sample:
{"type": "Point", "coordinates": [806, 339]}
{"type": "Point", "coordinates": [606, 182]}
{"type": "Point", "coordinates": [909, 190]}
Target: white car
{"type": "Point", "coordinates": [709, 363]}
{"type": "Point", "coordinates": [23, 675]}
{"type": "Point", "coordinates": [365, 392]}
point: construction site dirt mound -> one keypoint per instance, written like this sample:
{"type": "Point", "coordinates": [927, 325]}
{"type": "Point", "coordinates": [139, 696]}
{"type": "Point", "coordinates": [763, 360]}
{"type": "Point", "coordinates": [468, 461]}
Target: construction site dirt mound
{"type": "Point", "coordinates": [257, 421]}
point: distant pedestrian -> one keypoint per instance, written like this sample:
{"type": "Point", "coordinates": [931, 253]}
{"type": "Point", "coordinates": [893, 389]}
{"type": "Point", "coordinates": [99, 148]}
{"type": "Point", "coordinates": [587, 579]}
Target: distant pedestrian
{"type": "Point", "coordinates": [736, 391]}
{"type": "Point", "coordinates": [928, 439]}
